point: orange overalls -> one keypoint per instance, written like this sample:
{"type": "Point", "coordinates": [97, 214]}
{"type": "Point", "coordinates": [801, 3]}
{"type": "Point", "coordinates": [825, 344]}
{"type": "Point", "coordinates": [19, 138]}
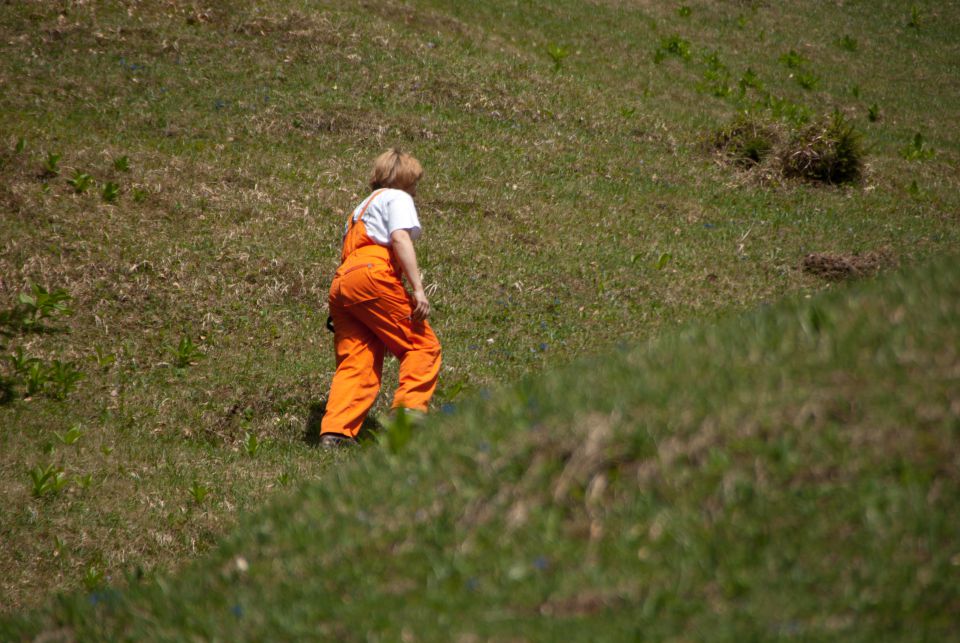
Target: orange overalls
{"type": "Point", "coordinates": [371, 311]}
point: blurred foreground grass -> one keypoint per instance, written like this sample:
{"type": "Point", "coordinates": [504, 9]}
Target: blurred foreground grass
{"type": "Point", "coordinates": [790, 473]}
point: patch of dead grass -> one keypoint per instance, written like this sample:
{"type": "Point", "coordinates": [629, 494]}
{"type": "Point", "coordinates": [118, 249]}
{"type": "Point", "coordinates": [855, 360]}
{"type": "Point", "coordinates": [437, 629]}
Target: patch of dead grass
{"type": "Point", "coordinates": [839, 266]}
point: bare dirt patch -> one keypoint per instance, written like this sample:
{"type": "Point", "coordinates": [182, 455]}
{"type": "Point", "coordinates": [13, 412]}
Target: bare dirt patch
{"type": "Point", "coordinates": [837, 267]}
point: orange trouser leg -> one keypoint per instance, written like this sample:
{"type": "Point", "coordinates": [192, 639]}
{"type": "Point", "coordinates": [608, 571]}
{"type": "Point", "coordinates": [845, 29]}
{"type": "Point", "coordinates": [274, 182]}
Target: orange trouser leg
{"type": "Point", "coordinates": [356, 381]}
{"type": "Point", "coordinates": [414, 344]}
{"type": "Point", "coordinates": [419, 370]}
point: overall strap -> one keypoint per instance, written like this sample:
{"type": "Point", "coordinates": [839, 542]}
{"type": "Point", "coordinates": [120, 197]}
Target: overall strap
{"type": "Point", "coordinates": [349, 236]}
{"type": "Point", "coordinates": [351, 221]}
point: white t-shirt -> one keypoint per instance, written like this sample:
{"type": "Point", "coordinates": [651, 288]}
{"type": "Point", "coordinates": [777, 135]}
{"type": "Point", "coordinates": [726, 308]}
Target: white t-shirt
{"type": "Point", "coordinates": [390, 210]}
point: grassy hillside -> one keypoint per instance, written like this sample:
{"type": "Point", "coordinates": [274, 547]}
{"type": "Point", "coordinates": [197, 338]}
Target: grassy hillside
{"type": "Point", "coordinates": [573, 201]}
{"type": "Point", "coordinates": [791, 473]}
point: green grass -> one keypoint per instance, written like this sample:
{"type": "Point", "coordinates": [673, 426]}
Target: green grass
{"type": "Point", "coordinates": [790, 473]}
{"type": "Point", "coordinates": [567, 208]}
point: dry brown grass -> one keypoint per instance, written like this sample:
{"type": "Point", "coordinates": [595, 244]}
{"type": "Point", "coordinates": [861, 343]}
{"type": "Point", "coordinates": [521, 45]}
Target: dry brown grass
{"type": "Point", "coordinates": [837, 267]}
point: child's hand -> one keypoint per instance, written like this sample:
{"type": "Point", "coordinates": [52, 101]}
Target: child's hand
{"type": "Point", "coordinates": [421, 307]}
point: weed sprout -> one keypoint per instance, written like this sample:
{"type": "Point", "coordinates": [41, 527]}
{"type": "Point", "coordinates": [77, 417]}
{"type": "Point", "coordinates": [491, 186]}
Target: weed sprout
{"type": "Point", "coordinates": [672, 46]}
{"type": "Point", "coordinates": [252, 445]}
{"type": "Point", "coordinates": [793, 60]}
{"type": "Point", "coordinates": [917, 150]}
{"type": "Point", "coordinates": [93, 577]}
{"type": "Point", "coordinates": [63, 378]}
{"type": "Point", "coordinates": [186, 353]}
{"type": "Point", "coordinates": [807, 80]}
{"type": "Point", "coordinates": [915, 17]}
{"type": "Point", "coordinates": [48, 480]}
{"type": "Point", "coordinates": [80, 182]}
{"type": "Point", "coordinates": [716, 76]}
{"type": "Point", "coordinates": [557, 53]}
{"type": "Point", "coordinates": [847, 43]}
{"type": "Point", "coordinates": [51, 166]}
{"type": "Point", "coordinates": [110, 192]}
{"type": "Point", "coordinates": [198, 492]}
{"type": "Point", "coordinates": [71, 436]}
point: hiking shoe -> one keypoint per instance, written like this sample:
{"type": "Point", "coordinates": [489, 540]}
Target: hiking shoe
{"type": "Point", "coordinates": [330, 441]}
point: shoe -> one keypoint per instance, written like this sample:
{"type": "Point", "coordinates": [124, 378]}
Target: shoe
{"type": "Point", "coordinates": [331, 441]}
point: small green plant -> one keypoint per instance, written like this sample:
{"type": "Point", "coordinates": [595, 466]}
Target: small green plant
{"type": "Point", "coordinates": [847, 43]}
{"type": "Point", "coordinates": [34, 378]}
{"type": "Point", "coordinates": [628, 112]}
{"type": "Point", "coordinates": [252, 445]}
{"type": "Point", "coordinates": [558, 54]}
{"type": "Point", "coordinates": [122, 164]}
{"type": "Point", "coordinates": [106, 449]}
{"type": "Point", "coordinates": [110, 192]}
{"type": "Point", "coordinates": [672, 46]}
{"type": "Point", "coordinates": [80, 182]}
{"type": "Point", "coordinates": [20, 362]}
{"type": "Point", "coordinates": [787, 110]}
{"type": "Point", "coordinates": [684, 11]}
{"type": "Point", "coordinates": [793, 59]}
{"type": "Point", "coordinates": [84, 481]}
{"type": "Point", "coordinates": [51, 166]}
{"type": "Point", "coordinates": [398, 430]}
{"type": "Point", "coordinates": [716, 77]}
{"type": "Point", "coordinates": [63, 378]}
{"type": "Point", "coordinates": [103, 359]}
{"type": "Point", "coordinates": [71, 436]}
{"type": "Point", "coordinates": [48, 480]}
{"type": "Point", "coordinates": [93, 577]}
{"type": "Point", "coordinates": [59, 546]}
{"type": "Point", "coordinates": [42, 304]}
{"type": "Point", "coordinates": [20, 146]}
{"type": "Point", "coordinates": [663, 260]}
{"type": "Point", "coordinates": [749, 80]}
{"type": "Point", "coordinates": [284, 479]}
{"type": "Point", "coordinates": [873, 113]}
{"type": "Point", "coordinates": [917, 150]}
{"type": "Point", "coordinates": [855, 91]}
{"type": "Point", "coordinates": [198, 492]}
{"type": "Point", "coordinates": [806, 79]}
{"type": "Point", "coordinates": [916, 17]}
{"type": "Point", "coordinates": [186, 353]}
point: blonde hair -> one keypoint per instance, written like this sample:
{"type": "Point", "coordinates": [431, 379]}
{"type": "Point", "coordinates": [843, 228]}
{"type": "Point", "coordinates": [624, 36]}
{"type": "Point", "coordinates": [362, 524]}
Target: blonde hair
{"type": "Point", "coordinates": [395, 169]}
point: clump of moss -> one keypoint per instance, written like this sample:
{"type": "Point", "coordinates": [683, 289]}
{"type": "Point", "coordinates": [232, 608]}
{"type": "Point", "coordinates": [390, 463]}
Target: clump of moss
{"type": "Point", "coordinates": [830, 151]}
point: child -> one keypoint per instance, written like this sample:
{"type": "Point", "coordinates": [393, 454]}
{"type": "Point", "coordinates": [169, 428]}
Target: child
{"type": "Point", "coordinates": [370, 308]}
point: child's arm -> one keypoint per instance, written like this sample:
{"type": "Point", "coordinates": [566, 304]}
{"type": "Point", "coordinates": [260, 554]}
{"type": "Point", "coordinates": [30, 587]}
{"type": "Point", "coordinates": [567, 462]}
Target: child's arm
{"type": "Point", "coordinates": [403, 247]}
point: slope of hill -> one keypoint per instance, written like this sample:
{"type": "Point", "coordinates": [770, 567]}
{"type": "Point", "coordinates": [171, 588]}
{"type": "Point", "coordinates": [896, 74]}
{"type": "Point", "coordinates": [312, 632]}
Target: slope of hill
{"type": "Point", "coordinates": [182, 170]}
{"type": "Point", "coordinates": [791, 473]}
